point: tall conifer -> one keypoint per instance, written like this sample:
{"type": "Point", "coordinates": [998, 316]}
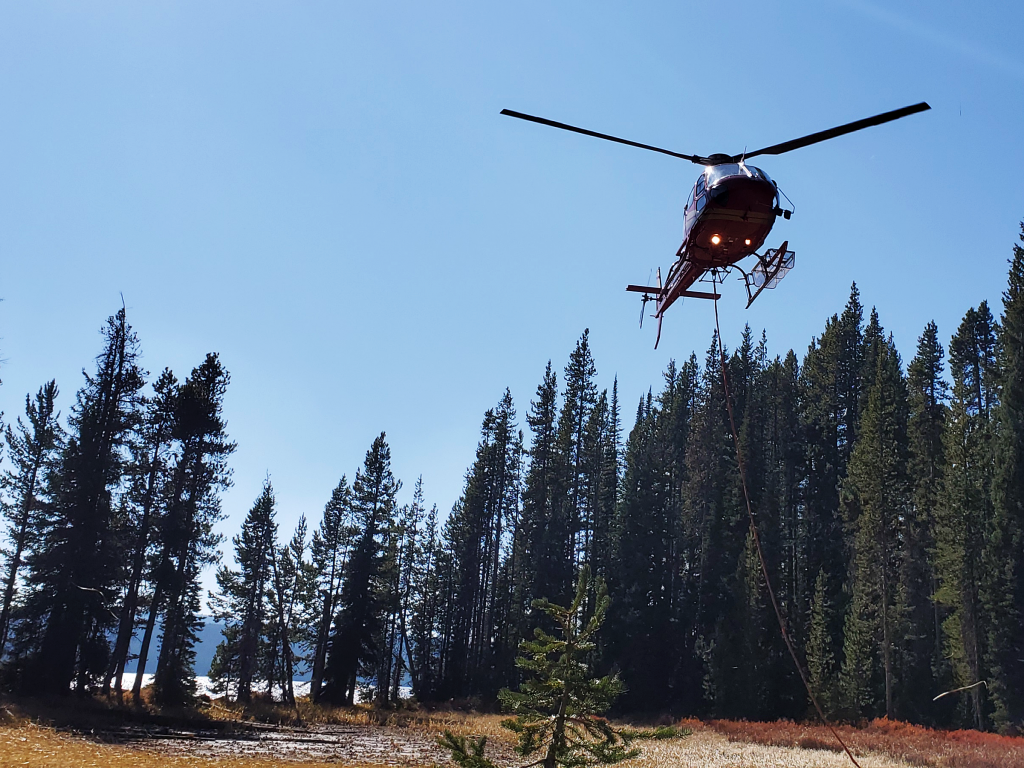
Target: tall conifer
{"type": "Point", "coordinates": [289, 579]}
{"type": "Point", "coordinates": [875, 499]}
{"type": "Point", "coordinates": [355, 643]}
{"type": "Point", "coordinates": [150, 453]}
{"type": "Point", "coordinates": [641, 625]}
{"type": "Point", "coordinates": [478, 529]}
{"type": "Point", "coordinates": [542, 568]}
{"type": "Point", "coordinates": [964, 510]}
{"type": "Point", "coordinates": [576, 480]}
{"type": "Point", "coordinates": [76, 570]}
{"type": "Point", "coordinates": [424, 624]}
{"type": "Point", "coordinates": [1004, 593]}
{"type": "Point", "coordinates": [330, 548]}
{"type": "Point", "coordinates": [831, 395]}
{"type": "Point", "coordinates": [188, 544]}
{"type": "Point", "coordinates": [244, 594]}
{"type": "Point", "coordinates": [922, 653]}
{"type": "Point", "coordinates": [32, 448]}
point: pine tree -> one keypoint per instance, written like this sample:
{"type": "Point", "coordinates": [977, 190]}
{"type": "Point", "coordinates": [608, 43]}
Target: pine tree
{"type": "Point", "coordinates": [288, 579]}
{"type": "Point", "coordinates": [1004, 590]}
{"type": "Point", "coordinates": [330, 548]}
{"type": "Point", "coordinates": [650, 557]}
{"type": "Point", "coordinates": [76, 569]}
{"type": "Point", "coordinates": [831, 403]}
{"type": "Point", "coordinates": [742, 640]}
{"type": "Point", "coordinates": [32, 448]}
{"type": "Point", "coordinates": [750, 666]}
{"type": "Point", "coordinates": [187, 542]}
{"type": "Point", "coordinates": [922, 652]}
{"type": "Point", "coordinates": [355, 642]}
{"type": "Point", "coordinates": [575, 480]}
{"type": "Point", "coordinates": [542, 568]}
{"type": "Point", "coordinates": [820, 658]}
{"type": "Point", "coordinates": [425, 622]}
{"type": "Point", "coordinates": [556, 710]}
{"type": "Point", "coordinates": [445, 583]}
{"type": "Point", "coordinates": [150, 453]}
{"type": "Point", "coordinates": [604, 465]}
{"type": "Point", "coordinates": [964, 510]}
{"type": "Point", "coordinates": [715, 528]}
{"type": "Point", "coordinates": [390, 661]}
{"type": "Point", "coordinates": [242, 601]}
{"type": "Point", "coordinates": [641, 624]}
{"type": "Point", "coordinates": [780, 519]}
{"type": "Point", "coordinates": [875, 499]}
{"type": "Point", "coordinates": [478, 529]}
{"type": "Point", "coordinates": [410, 566]}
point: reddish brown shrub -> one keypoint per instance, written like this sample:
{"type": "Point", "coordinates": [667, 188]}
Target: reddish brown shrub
{"type": "Point", "coordinates": [913, 743]}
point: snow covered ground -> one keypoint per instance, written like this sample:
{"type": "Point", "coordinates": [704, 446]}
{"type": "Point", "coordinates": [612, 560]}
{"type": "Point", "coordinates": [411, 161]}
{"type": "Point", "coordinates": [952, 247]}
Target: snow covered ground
{"type": "Point", "coordinates": [205, 687]}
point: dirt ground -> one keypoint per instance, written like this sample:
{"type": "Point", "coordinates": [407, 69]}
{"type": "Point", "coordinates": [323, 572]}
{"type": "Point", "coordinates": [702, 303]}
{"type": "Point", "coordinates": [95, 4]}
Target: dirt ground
{"type": "Point", "coordinates": [359, 738]}
{"type": "Point", "coordinates": [348, 744]}
{"type": "Point", "coordinates": [360, 745]}
{"type": "Point", "coordinates": [394, 747]}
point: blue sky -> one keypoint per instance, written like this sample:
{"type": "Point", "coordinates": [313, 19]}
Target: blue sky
{"type": "Point", "coordinates": [325, 194]}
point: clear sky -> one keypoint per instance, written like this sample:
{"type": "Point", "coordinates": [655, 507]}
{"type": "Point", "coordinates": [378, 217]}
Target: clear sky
{"type": "Point", "coordinates": [325, 194]}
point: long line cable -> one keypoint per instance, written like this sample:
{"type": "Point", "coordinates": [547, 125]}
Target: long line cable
{"type": "Point", "coordinates": [757, 539]}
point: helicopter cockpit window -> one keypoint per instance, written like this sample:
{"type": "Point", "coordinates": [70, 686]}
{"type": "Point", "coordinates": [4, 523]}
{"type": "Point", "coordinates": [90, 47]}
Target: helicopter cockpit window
{"type": "Point", "coordinates": [689, 200]}
{"type": "Point", "coordinates": [700, 184]}
{"type": "Point", "coordinates": [718, 172]}
{"type": "Point", "coordinates": [758, 173]}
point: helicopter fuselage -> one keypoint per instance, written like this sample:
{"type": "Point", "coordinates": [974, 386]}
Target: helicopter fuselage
{"type": "Point", "coordinates": [730, 211]}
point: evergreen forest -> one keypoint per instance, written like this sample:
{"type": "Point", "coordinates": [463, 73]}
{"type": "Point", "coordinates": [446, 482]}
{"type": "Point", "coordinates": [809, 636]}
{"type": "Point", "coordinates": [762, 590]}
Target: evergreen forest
{"type": "Point", "coordinates": [888, 494]}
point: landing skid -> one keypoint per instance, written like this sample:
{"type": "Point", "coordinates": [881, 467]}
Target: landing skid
{"type": "Point", "coordinates": [769, 270]}
{"type": "Point", "coordinates": [659, 294]}
{"type": "Point", "coordinates": [771, 267]}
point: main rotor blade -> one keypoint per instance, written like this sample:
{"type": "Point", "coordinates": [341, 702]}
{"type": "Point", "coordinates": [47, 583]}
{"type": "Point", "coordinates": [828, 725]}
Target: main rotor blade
{"type": "Point", "coordinates": [831, 133]}
{"type": "Point", "coordinates": [543, 121]}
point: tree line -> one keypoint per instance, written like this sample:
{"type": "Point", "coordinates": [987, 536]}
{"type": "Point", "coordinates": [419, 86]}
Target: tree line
{"type": "Point", "coordinates": [110, 524]}
{"type": "Point", "coordinates": [889, 500]}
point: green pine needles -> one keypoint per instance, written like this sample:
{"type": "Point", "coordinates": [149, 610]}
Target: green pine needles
{"type": "Point", "coordinates": [557, 710]}
{"type": "Point", "coordinates": [467, 752]}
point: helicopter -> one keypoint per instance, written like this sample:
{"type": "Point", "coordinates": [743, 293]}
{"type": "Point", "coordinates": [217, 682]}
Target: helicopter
{"type": "Point", "coordinates": [729, 214]}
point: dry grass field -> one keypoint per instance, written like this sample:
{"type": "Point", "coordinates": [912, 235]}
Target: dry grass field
{"type": "Point", "coordinates": [361, 739]}
{"type": "Point", "coordinates": [40, 747]}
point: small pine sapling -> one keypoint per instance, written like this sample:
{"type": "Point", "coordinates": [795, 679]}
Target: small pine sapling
{"type": "Point", "coordinates": [466, 752]}
{"type": "Point", "coordinates": [557, 710]}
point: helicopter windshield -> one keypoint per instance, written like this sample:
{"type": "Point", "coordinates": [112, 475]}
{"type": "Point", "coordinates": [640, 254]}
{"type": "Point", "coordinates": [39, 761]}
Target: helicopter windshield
{"type": "Point", "coordinates": [716, 173]}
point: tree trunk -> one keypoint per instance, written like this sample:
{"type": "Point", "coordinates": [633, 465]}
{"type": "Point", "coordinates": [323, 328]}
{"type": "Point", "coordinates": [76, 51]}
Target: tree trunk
{"type": "Point", "coordinates": [19, 547]}
{"type": "Point", "coordinates": [126, 627]}
{"type": "Point", "coordinates": [886, 644]}
{"type": "Point", "coordinates": [147, 637]}
{"type": "Point", "coordinates": [320, 653]}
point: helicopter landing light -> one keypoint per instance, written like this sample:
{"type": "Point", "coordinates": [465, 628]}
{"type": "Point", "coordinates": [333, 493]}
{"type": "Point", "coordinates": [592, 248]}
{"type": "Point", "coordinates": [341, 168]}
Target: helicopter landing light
{"type": "Point", "coordinates": [715, 239]}
{"type": "Point", "coordinates": [747, 241]}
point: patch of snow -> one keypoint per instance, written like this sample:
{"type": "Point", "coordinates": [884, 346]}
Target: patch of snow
{"type": "Point", "coordinates": [204, 687]}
